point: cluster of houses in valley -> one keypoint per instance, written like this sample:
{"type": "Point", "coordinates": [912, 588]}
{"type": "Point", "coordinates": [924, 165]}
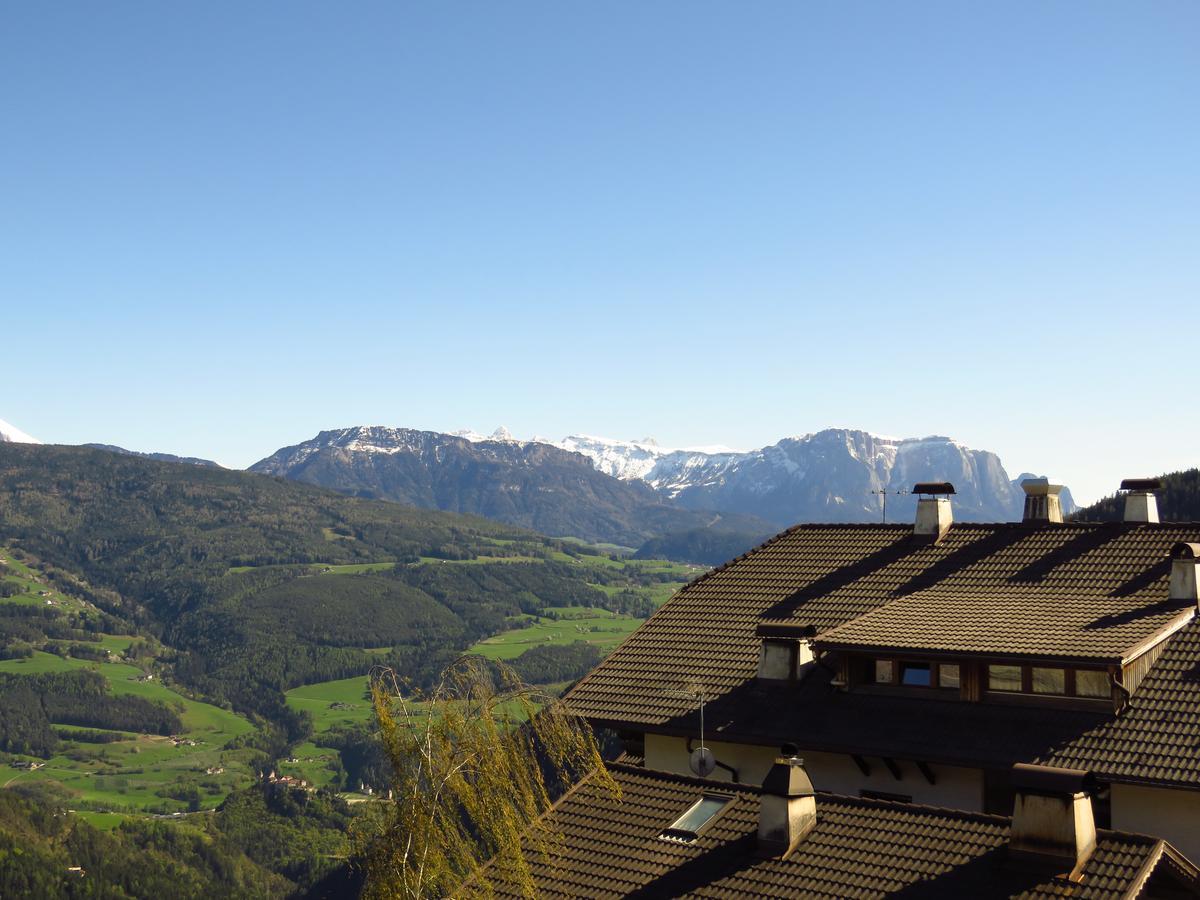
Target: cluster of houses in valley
{"type": "Point", "coordinates": [929, 709]}
{"type": "Point", "coordinates": [289, 781]}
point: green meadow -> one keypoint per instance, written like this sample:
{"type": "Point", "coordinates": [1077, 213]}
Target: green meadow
{"type": "Point", "coordinates": [600, 627]}
{"type": "Point", "coordinates": [140, 772]}
{"type": "Point", "coordinates": [346, 701]}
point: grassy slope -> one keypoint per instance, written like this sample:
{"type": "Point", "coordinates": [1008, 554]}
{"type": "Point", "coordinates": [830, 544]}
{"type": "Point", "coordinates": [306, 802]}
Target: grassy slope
{"type": "Point", "coordinates": [35, 591]}
{"type": "Point", "coordinates": [126, 774]}
{"type": "Point", "coordinates": [600, 627]}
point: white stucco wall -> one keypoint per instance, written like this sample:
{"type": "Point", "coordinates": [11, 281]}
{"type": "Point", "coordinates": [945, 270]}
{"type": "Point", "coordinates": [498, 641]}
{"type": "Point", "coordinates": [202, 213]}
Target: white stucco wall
{"type": "Point", "coordinates": [1172, 815]}
{"type": "Point", "coordinates": [957, 788]}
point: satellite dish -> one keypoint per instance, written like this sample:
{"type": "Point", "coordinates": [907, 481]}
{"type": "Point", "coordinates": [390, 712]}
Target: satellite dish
{"type": "Point", "coordinates": [703, 762]}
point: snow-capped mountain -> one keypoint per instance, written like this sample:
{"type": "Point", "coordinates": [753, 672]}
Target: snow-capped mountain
{"type": "Point", "coordinates": [531, 483]}
{"type": "Point", "coordinates": [635, 459]}
{"type": "Point", "coordinates": [624, 491]}
{"type": "Point", "coordinates": [13, 435]}
{"type": "Point", "coordinates": [833, 475]}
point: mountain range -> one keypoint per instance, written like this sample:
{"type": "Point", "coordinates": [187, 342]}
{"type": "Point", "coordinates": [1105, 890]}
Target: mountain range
{"type": "Point", "coordinates": [528, 483]}
{"type": "Point", "coordinates": [628, 491]}
{"type": "Point", "coordinates": [834, 475]}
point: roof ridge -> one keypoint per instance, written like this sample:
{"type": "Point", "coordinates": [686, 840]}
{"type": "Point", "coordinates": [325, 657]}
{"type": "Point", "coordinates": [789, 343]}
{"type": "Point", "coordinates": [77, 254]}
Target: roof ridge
{"type": "Point", "coordinates": [725, 565]}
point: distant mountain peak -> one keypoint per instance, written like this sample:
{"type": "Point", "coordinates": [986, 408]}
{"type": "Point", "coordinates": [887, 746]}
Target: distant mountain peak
{"type": "Point", "coordinates": [14, 435]}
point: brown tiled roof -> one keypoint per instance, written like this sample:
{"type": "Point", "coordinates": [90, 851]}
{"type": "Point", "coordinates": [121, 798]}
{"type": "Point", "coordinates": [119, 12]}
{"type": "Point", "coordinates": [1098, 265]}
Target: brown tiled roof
{"type": "Point", "coordinates": [858, 848]}
{"type": "Point", "coordinates": [1033, 623]}
{"type": "Point", "coordinates": [827, 575]}
{"type": "Point", "coordinates": [1157, 739]}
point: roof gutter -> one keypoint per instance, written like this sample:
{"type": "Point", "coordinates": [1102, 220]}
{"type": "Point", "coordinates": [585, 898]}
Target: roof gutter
{"type": "Point", "coordinates": [991, 655]}
{"type": "Point", "coordinates": [1158, 637]}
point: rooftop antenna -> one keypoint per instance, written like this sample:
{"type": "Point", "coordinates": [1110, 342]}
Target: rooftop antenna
{"type": "Point", "coordinates": [702, 761]}
{"type": "Point", "coordinates": [884, 493]}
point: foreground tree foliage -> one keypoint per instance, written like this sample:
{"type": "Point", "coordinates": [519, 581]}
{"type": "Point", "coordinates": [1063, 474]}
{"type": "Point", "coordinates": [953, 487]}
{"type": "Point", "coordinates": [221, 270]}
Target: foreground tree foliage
{"type": "Point", "coordinates": [476, 766]}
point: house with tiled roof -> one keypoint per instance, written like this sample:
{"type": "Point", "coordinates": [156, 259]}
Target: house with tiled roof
{"type": "Point", "coordinates": [669, 835]}
{"type": "Point", "coordinates": [917, 663]}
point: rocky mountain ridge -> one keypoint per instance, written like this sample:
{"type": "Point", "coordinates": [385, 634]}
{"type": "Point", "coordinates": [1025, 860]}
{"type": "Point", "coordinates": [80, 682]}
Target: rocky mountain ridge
{"type": "Point", "coordinates": [528, 483]}
{"type": "Point", "coordinates": [627, 492]}
{"type": "Point", "coordinates": [833, 475]}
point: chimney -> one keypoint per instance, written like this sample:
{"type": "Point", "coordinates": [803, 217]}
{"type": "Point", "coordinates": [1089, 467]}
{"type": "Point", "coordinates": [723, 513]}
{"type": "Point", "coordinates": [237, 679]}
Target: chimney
{"type": "Point", "coordinates": [1052, 823]}
{"type": "Point", "coordinates": [787, 806]}
{"type": "Point", "coordinates": [786, 652]}
{"type": "Point", "coordinates": [1184, 583]}
{"type": "Point", "coordinates": [1041, 501]}
{"type": "Point", "coordinates": [1140, 505]}
{"type": "Point", "coordinates": [933, 508]}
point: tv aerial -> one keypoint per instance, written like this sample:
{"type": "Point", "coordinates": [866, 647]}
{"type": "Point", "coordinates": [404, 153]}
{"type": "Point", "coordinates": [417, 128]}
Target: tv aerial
{"type": "Point", "coordinates": [702, 761]}
{"type": "Point", "coordinates": [883, 492]}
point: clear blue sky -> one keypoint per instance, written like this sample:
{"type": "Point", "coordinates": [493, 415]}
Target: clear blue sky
{"type": "Point", "coordinates": [226, 226]}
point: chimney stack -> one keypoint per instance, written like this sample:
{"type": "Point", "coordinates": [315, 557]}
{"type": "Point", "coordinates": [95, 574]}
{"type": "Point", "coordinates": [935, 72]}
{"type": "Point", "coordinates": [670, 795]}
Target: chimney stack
{"type": "Point", "coordinates": [934, 514]}
{"type": "Point", "coordinates": [1140, 504]}
{"type": "Point", "coordinates": [787, 806]}
{"type": "Point", "coordinates": [786, 652]}
{"type": "Point", "coordinates": [1042, 503]}
{"type": "Point", "coordinates": [1052, 821]}
{"type": "Point", "coordinates": [1184, 583]}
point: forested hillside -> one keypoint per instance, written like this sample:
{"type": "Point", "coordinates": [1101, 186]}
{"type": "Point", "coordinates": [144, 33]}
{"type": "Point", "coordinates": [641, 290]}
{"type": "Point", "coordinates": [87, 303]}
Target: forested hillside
{"type": "Point", "coordinates": [260, 584]}
{"type": "Point", "coordinates": [263, 842]}
{"type": "Point", "coordinates": [1178, 501]}
{"type": "Point", "coordinates": [154, 617]}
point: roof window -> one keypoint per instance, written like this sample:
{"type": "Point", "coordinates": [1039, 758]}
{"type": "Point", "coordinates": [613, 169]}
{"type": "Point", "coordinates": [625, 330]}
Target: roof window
{"type": "Point", "coordinates": [696, 818]}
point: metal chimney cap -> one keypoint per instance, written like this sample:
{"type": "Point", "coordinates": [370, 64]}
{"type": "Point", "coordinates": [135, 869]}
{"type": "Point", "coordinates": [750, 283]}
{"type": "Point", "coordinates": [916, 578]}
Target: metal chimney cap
{"type": "Point", "coordinates": [1050, 780]}
{"type": "Point", "coordinates": [933, 487]}
{"type": "Point", "coordinates": [787, 777]}
{"type": "Point", "coordinates": [1141, 484]}
{"type": "Point", "coordinates": [1036, 487]}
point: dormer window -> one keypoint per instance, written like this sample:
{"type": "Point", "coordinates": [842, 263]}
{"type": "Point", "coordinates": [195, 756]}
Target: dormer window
{"type": "Point", "coordinates": [1004, 678]}
{"type": "Point", "coordinates": [1091, 683]}
{"type": "Point", "coordinates": [914, 674]}
{"type": "Point", "coordinates": [1048, 681]}
{"type": "Point", "coordinates": [948, 676]}
{"type": "Point", "coordinates": [973, 681]}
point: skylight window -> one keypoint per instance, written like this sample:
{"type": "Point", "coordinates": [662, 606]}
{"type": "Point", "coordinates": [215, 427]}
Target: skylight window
{"type": "Point", "coordinates": [692, 823]}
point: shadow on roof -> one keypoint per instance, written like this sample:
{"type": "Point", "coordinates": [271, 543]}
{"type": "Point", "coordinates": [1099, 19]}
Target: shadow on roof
{"type": "Point", "coordinates": [841, 577]}
{"type": "Point", "coordinates": [963, 558]}
{"type": "Point", "coordinates": [1143, 580]}
{"type": "Point", "coordinates": [703, 870]}
{"type": "Point", "coordinates": [1191, 675]}
{"type": "Point", "coordinates": [990, 874]}
{"type": "Point", "coordinates": [1141, 612]}
{"type": "Point", "coordinates": [1069, 552]}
